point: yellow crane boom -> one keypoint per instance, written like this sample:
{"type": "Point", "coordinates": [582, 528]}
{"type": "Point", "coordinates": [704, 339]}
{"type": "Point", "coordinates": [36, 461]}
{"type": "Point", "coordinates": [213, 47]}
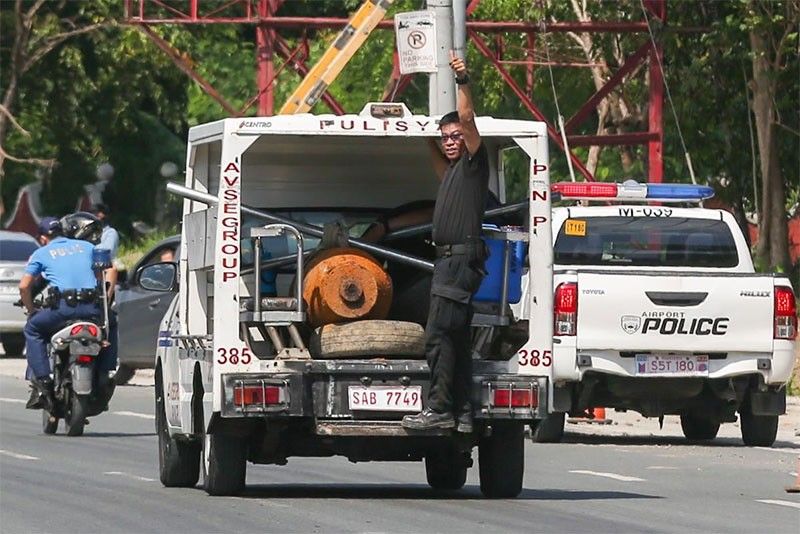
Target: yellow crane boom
{"type": "Point", "coordinates": [336, 56]}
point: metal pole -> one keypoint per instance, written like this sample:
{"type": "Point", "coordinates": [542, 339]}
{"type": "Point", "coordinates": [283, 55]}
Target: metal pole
{"type": "Point", "coordinates": [422, 228]}
{"type": "Point", "coordinates": [384, 252]}
{"type": "Point", "coordinates": [460, 28]}
{"type": "Point", "coordinates": [655, 109]}
{"type": "Point", "coordinates": [266, 69]}
{"type": "Point", "coordinates": [257, 266]}
{"type": "Point", "coordinates": [442, 89]}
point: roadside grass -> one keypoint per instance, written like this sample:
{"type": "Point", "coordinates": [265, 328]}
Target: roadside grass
{"type": "Point", "coordinates": [132, 250]}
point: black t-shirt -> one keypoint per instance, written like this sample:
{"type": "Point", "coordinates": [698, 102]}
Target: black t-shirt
{"type": "Point", "coordinates": [461, 200]}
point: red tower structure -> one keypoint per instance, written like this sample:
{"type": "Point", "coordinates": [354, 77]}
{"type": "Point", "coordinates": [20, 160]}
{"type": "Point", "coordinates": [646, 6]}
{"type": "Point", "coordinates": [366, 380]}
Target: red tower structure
{"type": "Point", "coordinates": [264, 15]}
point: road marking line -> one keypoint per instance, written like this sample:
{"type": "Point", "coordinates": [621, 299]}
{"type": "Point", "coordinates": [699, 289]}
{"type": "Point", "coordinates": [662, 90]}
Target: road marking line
{"type": "Point", "coordinates": [135, 414]}
{"type": "Point", "coordinates": [663, 467]}
{"type": "Point", "coordinates": [780, 503]}
{"type": "Point", "coordinates": [615, 476]}
{"type": "Point", "coordinates": [785, 450]}
{"type": "Point", "coordinates": [18, 456]}
{"type": "Point", "coordinates": [128, 475]}
{"type": "Point", "coordinates": [17, 401]}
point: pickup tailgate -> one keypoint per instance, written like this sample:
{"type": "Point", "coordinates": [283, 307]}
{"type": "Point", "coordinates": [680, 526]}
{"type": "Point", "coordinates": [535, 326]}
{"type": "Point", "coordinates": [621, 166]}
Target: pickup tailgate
{"type": "Point", "coordinates": [646, 311]}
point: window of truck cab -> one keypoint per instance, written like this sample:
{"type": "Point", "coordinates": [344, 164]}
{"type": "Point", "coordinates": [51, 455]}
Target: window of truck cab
{"type": "Point", "coordinates": [646, 242]}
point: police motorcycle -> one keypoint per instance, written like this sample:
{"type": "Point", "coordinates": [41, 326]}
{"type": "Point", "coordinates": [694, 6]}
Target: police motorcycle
{"type": "Point", "coordinates": [80, 390]}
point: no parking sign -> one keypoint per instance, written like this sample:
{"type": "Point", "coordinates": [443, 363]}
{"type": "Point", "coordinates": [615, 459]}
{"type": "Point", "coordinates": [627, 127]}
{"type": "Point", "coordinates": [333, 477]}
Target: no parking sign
{"type": "Point", "coordinates": [416, 41]}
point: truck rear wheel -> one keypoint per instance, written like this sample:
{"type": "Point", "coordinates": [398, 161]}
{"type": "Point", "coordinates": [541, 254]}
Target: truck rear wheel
{"type": "Point", "coordinates": [549, 429]}
{"type": "Point", "coordinates": [501, 458]}
{"type": "Point", "coordinates": [758, 430]}
{"type": "Point", "coordinates": [224, 464]}
{"type": "Point", "coordinates": [368, 338]}
{"type": "Point", "coordinates": [697, 428]}
{"type": "Point", "coordinates": [446, 469]}
{"type": "Point", "coordinates": [178, 461]}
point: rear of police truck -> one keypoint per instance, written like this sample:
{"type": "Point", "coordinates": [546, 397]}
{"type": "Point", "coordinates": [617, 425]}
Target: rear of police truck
{"type": "Point", "coordinates": [658, 310]}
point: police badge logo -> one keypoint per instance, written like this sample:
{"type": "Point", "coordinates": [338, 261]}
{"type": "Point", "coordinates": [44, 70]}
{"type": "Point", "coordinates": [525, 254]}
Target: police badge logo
{"type": "Point", "coordinates": [631, 323]}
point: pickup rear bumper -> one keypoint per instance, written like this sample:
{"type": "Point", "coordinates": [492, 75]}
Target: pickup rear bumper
{"type": "Point", "coordinates": [775, 368]}
{"type": "Point", "coordinates": [322, 390]}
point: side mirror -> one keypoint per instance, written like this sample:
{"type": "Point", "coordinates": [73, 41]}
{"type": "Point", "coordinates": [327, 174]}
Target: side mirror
{"type": "Point", "coordinates": [161, 277]}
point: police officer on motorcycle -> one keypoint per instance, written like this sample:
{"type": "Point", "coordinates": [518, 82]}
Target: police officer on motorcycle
{"type": "Point", "coordinates": [66, 264]}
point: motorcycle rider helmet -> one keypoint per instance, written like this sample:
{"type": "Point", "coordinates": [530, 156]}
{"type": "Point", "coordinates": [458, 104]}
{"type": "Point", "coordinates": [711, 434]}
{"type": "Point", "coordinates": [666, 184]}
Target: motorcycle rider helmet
{"type": "Point", "coordinates": [82, 225]}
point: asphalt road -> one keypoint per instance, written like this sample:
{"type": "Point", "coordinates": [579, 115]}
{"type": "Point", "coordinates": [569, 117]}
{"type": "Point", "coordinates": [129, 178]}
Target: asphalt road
{"type": "Point", "coordinates": [107, 481]}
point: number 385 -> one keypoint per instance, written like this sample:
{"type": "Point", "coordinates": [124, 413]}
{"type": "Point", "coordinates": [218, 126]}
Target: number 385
{"type": "Point", "coordinates": [535, 358]}
{"type": "Point", "coordinates": [233, 355]}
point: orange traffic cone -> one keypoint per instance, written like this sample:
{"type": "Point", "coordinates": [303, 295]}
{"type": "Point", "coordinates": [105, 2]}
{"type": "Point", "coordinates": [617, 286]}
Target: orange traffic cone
{"type": "Point", "coordinates": [599, 416]}
{"type": "Point", "coordinates": [796, 487]}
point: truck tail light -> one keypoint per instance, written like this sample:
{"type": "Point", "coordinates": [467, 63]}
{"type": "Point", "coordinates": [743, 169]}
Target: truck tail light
{"type": "Point", "coordinates": [785, 313]}
{"type": "Point", "coordinates": [566, 310]}
{"type": "Point", "coordinates": [257, 394]}
{"type": "Point", "coordinates": [514, 398]}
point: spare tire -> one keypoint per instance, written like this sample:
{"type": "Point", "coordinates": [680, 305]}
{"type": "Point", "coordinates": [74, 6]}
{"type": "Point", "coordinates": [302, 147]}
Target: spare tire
{"type": "Point", "coordinates": [384, 339]}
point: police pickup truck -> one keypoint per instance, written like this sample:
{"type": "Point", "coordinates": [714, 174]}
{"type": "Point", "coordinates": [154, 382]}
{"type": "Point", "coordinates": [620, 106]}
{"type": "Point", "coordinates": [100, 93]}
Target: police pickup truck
{"type": "Point", "coordinates": [241, 375]}
{"type": "Point", "coordinates": [658, 309]}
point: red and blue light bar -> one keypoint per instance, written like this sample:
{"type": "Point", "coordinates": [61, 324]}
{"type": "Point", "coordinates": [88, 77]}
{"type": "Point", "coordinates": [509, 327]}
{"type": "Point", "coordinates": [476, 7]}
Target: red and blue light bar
{"type": "Point", "coordinates": [633, 191]}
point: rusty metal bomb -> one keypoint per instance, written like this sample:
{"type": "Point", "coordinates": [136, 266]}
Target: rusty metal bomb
{"type": "Point", "coordinates": [345, 284]}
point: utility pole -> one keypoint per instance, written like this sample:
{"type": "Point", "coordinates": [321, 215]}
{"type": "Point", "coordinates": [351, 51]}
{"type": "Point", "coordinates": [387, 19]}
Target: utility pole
{"type": "Point", "coordinates": [442, 88]}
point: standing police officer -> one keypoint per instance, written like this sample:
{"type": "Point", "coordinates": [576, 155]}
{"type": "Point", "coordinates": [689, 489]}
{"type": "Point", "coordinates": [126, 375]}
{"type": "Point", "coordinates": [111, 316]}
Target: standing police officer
{"type": "Point", "coordinates": [458, 271]}
{"type": "Point", "coordinates": [67, 266]}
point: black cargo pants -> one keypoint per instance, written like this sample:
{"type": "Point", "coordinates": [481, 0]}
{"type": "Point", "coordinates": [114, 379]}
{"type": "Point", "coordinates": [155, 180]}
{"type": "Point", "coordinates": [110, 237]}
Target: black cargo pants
{"type": "Point", "coordinates": [448, 342]}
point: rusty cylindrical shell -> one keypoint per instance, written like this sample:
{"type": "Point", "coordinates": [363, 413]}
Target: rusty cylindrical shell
{"type": "Point", "coordinates": [344, 284]}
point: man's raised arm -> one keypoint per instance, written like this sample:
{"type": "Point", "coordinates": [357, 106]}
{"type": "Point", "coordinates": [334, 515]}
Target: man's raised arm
{"type": "Point", "coordinates": [466, 111]}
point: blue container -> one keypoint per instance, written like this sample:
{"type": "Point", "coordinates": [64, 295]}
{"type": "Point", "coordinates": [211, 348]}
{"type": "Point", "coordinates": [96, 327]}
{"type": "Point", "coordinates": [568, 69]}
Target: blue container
{"type": "Point", "coordinates": [492, 285]}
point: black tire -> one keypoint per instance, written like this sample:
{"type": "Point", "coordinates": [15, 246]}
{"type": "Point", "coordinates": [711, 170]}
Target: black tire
{"type": "Point", "coordinates": [699, 428]}
{"type": "Point", "coordinates": [178, 461]}
{"type": "Point", "coordinates": [224, 464]}
{"type": "Point", "coordinates": [368, 338]}
{"type": "Point", "coordinates": [75, 418]}
{"type": "Point", "coordinates": [124, 374]}
{"type": "Point", "coordinates": [501, 458]}
{"type": "Point", "coordinates": [13, 344]}
{"type": "Point", "coordinates": [550, 429]}
{"type": "Point", "coordinates": [758, 430]}
{"type": "Point", "coordinates": [49, 423]}
{"type": "Point", "coordinates": [446, 470]}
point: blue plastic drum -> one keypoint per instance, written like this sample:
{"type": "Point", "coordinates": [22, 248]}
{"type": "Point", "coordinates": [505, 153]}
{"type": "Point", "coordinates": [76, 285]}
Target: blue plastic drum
{"type": "Point", "coordinates": [492, 286]}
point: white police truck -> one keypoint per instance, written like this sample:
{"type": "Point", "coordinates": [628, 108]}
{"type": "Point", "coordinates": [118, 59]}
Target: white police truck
{"type": "Point", "coordinates": [237, 376]}
{"type": "Point", "coordinates": [658, 309]}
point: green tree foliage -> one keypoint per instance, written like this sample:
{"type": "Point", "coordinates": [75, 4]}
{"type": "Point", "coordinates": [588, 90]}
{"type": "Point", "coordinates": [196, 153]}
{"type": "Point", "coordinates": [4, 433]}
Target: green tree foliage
{"type": "Point", "coordinates": [107, 95]}
{"type": "Point", "coordinates": [112, 95]}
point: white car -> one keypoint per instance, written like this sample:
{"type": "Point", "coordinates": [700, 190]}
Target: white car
{"type": "Point", "coordinates": [15, 249]}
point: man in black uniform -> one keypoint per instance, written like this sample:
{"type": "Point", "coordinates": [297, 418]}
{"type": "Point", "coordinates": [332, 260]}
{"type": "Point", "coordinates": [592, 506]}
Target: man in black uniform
{"type": "Point", "coordinates": [458, 271]}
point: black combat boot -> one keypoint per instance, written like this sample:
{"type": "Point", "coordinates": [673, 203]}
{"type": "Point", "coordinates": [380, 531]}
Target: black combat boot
{"type": "Point", "coordinates": [427, 419]}
{"type": "Point", "coordinates": [42, 394]}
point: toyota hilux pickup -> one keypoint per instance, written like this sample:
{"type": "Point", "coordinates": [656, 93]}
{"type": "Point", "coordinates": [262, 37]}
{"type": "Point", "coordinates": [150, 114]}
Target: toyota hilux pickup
{"type": "Point", "coordinates": [658, 309]}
